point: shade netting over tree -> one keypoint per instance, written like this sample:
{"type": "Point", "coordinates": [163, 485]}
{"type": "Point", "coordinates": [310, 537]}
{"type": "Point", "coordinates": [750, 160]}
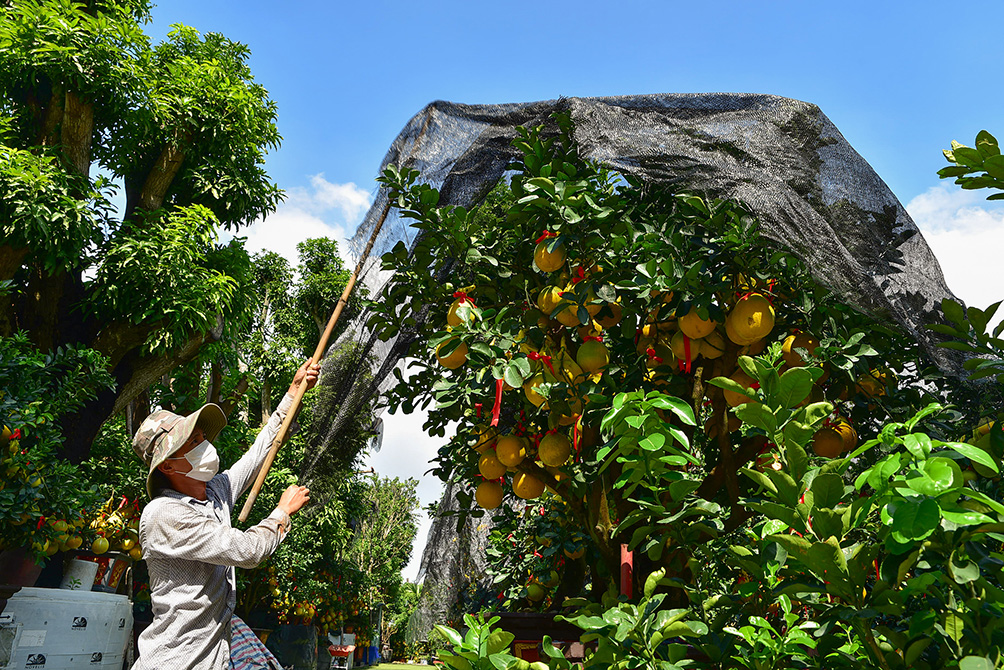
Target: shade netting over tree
{"type": "Point", "coordinates": [784, 159]}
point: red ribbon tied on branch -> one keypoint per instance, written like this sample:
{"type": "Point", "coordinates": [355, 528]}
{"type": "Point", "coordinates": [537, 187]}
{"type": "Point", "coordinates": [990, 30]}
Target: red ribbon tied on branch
{"type": "Point", "coordinates": [536, 356]}
{"type": "Point", "coordinates": [651, 354]}
{"type": "Point", "coordinates": [497, 409]}
{"type": "Point", "coordinates": [598, 338]}
{"type": "Point", "coordinates": [580, 274]}
{"type": "Point", "coordinates": [544, 235]}
{"type": "Point", "coordinates": [685, 363]}
{"type": "Point", "coordinates": [16, 435]}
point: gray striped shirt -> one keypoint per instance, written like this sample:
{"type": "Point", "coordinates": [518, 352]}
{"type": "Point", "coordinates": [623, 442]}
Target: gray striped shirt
{"type": "Point", "coordinates": [191, 551]}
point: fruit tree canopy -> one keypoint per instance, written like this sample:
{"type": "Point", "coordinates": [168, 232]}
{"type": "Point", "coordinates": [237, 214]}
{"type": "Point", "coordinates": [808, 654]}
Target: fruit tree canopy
{"type": "Point", "coordinates": [783, 158]}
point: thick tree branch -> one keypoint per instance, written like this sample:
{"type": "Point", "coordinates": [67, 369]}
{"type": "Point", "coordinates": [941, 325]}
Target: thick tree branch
{"type": "Point", "coordinates": [159, 179]}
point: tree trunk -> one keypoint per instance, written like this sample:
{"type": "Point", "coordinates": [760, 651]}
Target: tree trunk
{"type": "Point", "coordinates": [76, 132]}
{"type": "Point", "coordinates": [266, 400]}
{"type": "Point", "coordinates": [230, 403]}
{"type": "Point", "coordinates": [214, 391]}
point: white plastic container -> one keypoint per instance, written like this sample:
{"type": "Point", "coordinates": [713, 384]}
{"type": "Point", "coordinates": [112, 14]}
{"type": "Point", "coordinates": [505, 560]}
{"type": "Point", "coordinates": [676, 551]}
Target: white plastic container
{"type": "Point", "coordinates": [59, 629]}
{"type": "Point", "coordinates": [79, 575]}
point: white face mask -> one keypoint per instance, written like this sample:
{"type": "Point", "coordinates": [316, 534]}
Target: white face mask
{"type": "Point", "coordinates": [204, 460]}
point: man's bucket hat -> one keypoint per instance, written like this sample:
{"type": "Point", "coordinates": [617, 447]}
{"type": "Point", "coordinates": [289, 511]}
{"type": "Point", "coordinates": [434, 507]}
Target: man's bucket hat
{"type": "Point", "coordinates": [163, 433]}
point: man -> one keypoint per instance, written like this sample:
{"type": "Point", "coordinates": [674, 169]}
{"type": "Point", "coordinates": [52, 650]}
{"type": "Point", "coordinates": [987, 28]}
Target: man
{"type": "Point", "coordinates": [189, 546]}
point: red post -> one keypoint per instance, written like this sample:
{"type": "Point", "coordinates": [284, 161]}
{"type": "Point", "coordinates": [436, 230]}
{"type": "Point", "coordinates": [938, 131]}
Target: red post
{"type": "Point", "coordinates": [627, 570]}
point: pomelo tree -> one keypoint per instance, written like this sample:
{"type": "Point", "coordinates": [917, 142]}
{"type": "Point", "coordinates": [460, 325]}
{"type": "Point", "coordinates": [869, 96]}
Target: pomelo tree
{"type": "Point", "coordinates": [652, 372]}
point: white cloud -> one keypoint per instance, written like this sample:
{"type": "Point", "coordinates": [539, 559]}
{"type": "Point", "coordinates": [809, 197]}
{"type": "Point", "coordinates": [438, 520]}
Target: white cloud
{"type": "Point", "coordinates": [966, 233]}
{"type": "Point", "coordinates": [406, 453]}
{"type": "Point", "coordinates": [323, 210]}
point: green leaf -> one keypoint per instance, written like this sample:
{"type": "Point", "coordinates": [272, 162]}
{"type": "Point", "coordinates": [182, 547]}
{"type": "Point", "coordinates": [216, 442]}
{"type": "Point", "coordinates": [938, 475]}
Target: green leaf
{"type": "Point", "coordinates": [975, 454]}
{"type": "Point", "coordinates": [795, 386]}
{"type": "Point", "coordinates": [512, 376]}
{"type": "Point", "coordinates": [499, 640]}
{"type": "Point", "coordinates": [918, 444]}
{"type": "Point", "coordinates": [976, 663]}
{"type": "Point", "coordinates": [937, 476]}
{"type": "Point", "coordinates": [965, 573]}
{"type": "Point", "coordinates": [827, 490]}
{"type": "Point", "coordinates": [680, 408]}
{"type": "Point", "coordinates": [913, 520]}
{"type": "Point", "coordinates": [953, 310]}
{"type": "Point", "coordinates": [755, 414]}
{"type": "Point", "coordinates": [451, 635]}
{"type": "Point", "coordinates": [653, 442]}
{"type": "Point", "coordinates": [968, 156]}
{"type": "Point", "coordinates": [652, 582]}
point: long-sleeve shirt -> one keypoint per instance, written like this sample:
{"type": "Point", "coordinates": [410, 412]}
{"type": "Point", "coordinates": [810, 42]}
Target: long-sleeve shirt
{"type": "Point", "coordinates": [191, 551]}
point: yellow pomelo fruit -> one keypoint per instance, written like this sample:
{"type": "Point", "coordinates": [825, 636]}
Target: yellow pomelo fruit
{"type": "Point", "coordinates": [554, 449]}
{"type": "Point", "coordinates": [592, 356]}
{"type": "Point", "coordinates": [847, 433]}
{"type": "Point", "coordinates": [530, 389]}
{"type": "Point", "coordinates": [798, 341]}
{"type": "Point", "coordinates": [575, 407]}
{"type": "Point", "coordinates": [565, 368]}
{"type": "Point", "coordinates": [592, 306]}
{"type": "Point", "coordinates": [755, 348]}
{"type": "Point", "coordinates": [733, 334]}
{"type": "Point", "coordinates": [569, 317]}
{"type": "Point", "coordinates": [489, 465]}
{"type": "Point", "coordinates": [611, 316]}
{"type": "Point", "coordinates": [713, 345]}
{"type": "Point", "coordinates": [527, 486]}
{"type": "Point", "coordinates": [99, 546]}
{"type": "Point", "coordinates": [74, 542]}
{"type": "Point", "coordinates": [535, 592]}
{"type": "Point", "coordinates": [548, 261]}
{"type": "Point", "coordinates": [456, 358]}
{"type": "Point", "coordinates": [548, 300]}
{"type": "Point", "coordinates": [733, 398]}
{"type": "Point", "coordinates": [484, 436]}
{"type": "Point", "coordinates": [680, 346]}
{"type": "Point", "coordinates": [693, 326]}
{"type": "Point", "coordinates": [874, 382]}
{"type": "Point", "coordinates": [751, 318]}
{"type": "Point", "coordinates": [452, 318]}
{"type": "Point", "coordinates": [510, 450]}
{"type": "Point", "coordinates": [135, 553]}
{"type": "Point", "coordinates": [828, 443]}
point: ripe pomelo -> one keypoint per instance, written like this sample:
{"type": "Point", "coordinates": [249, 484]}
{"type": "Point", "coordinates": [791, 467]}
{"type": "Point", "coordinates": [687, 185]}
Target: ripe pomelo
{"type": "Point", "coordinates": [847, 433]}
{"type": "Point", "coordinates": [733, 398]}
{"type": "Point", "coordinates": [554, 449]}
{"type": "Point", "coordinates": [693, 326]}
{"type": "Point", "coordinates": [455, 358]}
{"type": "Point", "coordinates": [549, 261]}
{"type": "Point", "coordinates": [752, 318]}
{"type": "Point", "coordinates": [489, 465]}
{"type": "Point", "coordinates": [510, 450]}
{"type": "Point", "coordinates": [798, 341]}
{"type": "Point", "coordinates": [452, 318]}
{"type": "Point", "coordinates": [828, 442]}
{"type": "Point", "coordinates": [548, 300]}
{"type": "Point", "coordinates": [100, 545]}
{"type": "Point", "coordinates": [529, 388]}
{"type": "Point", "coordinates": [488, 494]}
{"type": "Point", "coordinates": [610, 315]}
{"type": "Point", "coordinates": [484, 436]}
{"type": "Point", "coordinates": [713, 345]}
{"type": "Point", "coordinates": [527, 486]}
{"type": "Point", "coordinates": [592, 356]}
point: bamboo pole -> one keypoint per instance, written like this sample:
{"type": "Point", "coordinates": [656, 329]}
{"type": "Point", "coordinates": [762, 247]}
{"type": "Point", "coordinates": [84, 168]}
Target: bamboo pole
{"type": "Point", "coordinates": [294, 409]}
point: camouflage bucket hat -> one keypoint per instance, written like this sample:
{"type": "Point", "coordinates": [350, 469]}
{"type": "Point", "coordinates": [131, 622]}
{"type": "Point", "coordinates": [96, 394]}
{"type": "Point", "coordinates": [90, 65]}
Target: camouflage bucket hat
{"type": "Point", "coordinates": [163, 433]}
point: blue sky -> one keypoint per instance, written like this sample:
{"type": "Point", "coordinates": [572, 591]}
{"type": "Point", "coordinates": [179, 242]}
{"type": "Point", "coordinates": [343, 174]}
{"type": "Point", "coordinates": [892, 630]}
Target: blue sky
{"type": "Point", "coordinates": [900, 80]}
